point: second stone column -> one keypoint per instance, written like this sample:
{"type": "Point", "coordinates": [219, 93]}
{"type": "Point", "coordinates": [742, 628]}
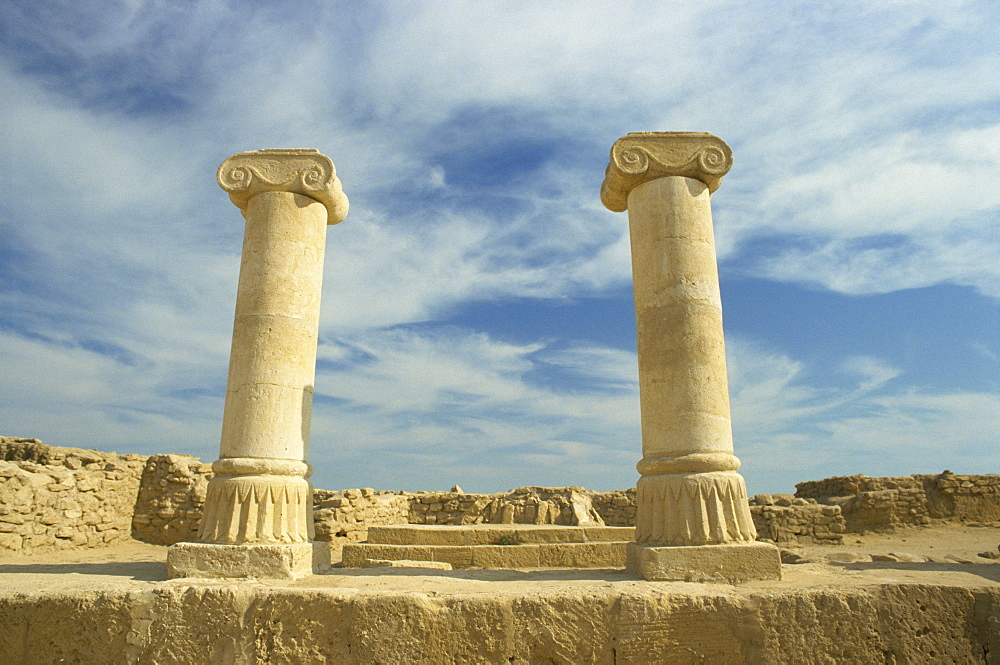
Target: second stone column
{"type": "Point", "coordinates": [693, 521]}
{"type": "Point", "coordinates": [258, 510]}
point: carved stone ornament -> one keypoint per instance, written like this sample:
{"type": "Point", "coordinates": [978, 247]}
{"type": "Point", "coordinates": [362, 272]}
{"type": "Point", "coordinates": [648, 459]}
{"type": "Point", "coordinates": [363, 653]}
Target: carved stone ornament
{"type": "Point", "coordinates": [642, 156]}
{"type": "Point", "coordinates": [305, 172]}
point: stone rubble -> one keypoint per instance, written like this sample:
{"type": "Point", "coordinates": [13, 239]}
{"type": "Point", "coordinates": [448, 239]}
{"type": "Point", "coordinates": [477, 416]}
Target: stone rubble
{"type": "Point", "coordinates": [70, 498]}
{"type": "Point", "coordinates": [883, 504]}
{"type": "Point", "coordinates": [64, 498]}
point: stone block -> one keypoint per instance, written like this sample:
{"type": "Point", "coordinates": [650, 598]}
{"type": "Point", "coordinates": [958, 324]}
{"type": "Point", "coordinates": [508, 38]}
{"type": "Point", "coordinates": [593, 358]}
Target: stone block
{"type": "Point", "coordinates": [559, 555]}
{"type": "Point", "coordinates": [355, 553]}
{"type": "Point", "coordinates": [10, 541]}
{"type": "Point", "coordinates": [405, 563]}
{"type": "Point", "coordinates": [599, 555]}
{"type": "Point", "coordinates": [279, 561]}
{"type": "Point", "coordinates": [458, 556]}
{"type": "Point", "coordinates": [737, 562]}
{"type": "Point", "coordinates": [506, 556]}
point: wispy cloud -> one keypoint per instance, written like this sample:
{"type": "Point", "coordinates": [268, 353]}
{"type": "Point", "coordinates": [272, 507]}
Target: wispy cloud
{"type": "Point", "coordinates": [472, 143]}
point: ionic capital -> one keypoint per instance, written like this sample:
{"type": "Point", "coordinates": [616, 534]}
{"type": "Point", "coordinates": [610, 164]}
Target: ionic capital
{"type": "Point", "coordinates": [639, 157]}
{"type": "Point", "coordinates": [305, 172]}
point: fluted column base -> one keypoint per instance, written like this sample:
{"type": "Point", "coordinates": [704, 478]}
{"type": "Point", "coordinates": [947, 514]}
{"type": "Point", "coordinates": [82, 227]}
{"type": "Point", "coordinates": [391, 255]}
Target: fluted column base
{"type": "Point", "coordinates": [693, 509]}
{"type": "Point", "coordinates": [258, 522]}
{"type": "Point", "coordinates": [257, 509]}
{"type": "Point", "coordinates": [696, 527]}
{"type": "Point", "coordinates": [258, 500]}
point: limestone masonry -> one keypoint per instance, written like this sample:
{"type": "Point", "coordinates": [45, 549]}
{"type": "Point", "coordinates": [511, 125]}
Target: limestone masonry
{"type": "Point", "coordinates": [692, 521]}
{"type": "Point", "coordinates": [258, 504]}
{"type": "Point", "coordinates": [64, 498]}
{"type": "Point", "coordinates": [70, 498]}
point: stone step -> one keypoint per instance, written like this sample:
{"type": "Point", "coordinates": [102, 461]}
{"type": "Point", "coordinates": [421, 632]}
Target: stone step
{"type": "Point", "coordinates": [495, 534]}
{"type": "Point", "coordinates": [600, 554]}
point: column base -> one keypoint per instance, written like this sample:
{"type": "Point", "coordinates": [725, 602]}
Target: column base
{"type": "Point", "coordinates": [271, 560]}
{"type": "Point", "coordinates": [728, 562]}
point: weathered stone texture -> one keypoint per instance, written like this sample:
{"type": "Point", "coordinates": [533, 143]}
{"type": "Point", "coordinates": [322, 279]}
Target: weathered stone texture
{"type": "Point", "coordinates": [788, 520]}
{"type": "Point", "coordinates": [43, 488]}
{"type": "Point", "coordinates": [881, 504]}
{"type": "Point", "coordinates": [619, 622]}
{"type": "Point", "coordinates": [616, 508]}
{"type": "Point", "coordinates": [345, 515]}
{"type": "Point", "coordinates": [171, 499]}
{"type": "Point", "coordinates": [525, 505]}
{"type": "Point", "coordinates": [64, 498]}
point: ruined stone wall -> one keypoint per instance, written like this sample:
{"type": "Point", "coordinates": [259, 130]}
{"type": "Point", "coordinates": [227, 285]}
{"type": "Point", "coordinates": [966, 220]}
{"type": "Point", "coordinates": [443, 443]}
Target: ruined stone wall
{"type": "Point", "coordinates": [616, 508]}
{"type": "Point", "coordinates": [968, 498]}
{"type": "Point", "coordinates": [525, 505]}
{"type": "Point", "coordinates": [170, 499]}
{"type": "Point", "coordinates": [451, 508]}
{"type": "Point", "coordinates": [345, 515]}
{"type": "Point", "coordinates": [880, 504]}
{"type": "Point", "coordinates": [787, 520]}
{"type": "Point", "coordinates": [64, 498]}
{"type": "Point", "coordinates": [53, 497]}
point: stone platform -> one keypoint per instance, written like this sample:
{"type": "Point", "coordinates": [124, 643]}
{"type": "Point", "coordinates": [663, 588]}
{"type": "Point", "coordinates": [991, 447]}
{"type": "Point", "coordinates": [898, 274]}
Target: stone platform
{"type": "Point", "coordinates": [495, 546]}
{"type": "Point", "coordinates": [108, 610]}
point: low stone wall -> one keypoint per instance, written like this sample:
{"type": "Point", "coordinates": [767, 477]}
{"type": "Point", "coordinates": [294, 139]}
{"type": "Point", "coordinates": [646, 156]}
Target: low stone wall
{"type": "Point", "coordinates": [616, 508]}
{"type": "Point", "coordinates": [525, 505]}
{"type": "Point", "coordinates": [881, 504]}
{"type": "Point", "coordinates": [786, 520]}
{"type": "Point", "coordinates": [398, 618]}
{"type": "Point", "coordinates": [64, 498]}
{"type": "Point", "coordinates": [345, 515]}
{"type": "Point", "coordinates": [171, 499]}
{"type": "Point", "coordinates": [967, 498]}
{"type": "Point", "coordinates": [52, 497]}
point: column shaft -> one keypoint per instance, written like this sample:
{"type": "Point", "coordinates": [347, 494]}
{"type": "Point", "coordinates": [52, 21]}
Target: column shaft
{"type": "Point", "coordinates": [689, 493]}
{"type": "Point", "coordinates": [692, 517]}
{"type": "Point", "coordinates": [260, 492]}
{"type": "Point", "coordinates": [273, 359]}
{"type": "Point", "coordinates": [682, 357]}
{"type": "Point", "coordinates": [257, 519]}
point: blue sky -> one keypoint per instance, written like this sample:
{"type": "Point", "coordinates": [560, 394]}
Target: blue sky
{"type": "Point", "coordinates": [477, 323]}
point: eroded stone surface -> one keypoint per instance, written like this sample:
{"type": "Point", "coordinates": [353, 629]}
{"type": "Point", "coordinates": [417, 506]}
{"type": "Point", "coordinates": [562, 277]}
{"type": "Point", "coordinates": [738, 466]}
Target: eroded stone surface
{"type": "Point", "coordinates": [260, 494]}
{"type": "Point", "coordinates": [436, 616]}
{"type": "Point", "coordinates": [689, 492]}
{"type": "Point", "coordinates": [277, 560]}
{"type": "Point", "coordinates": [732, 563]}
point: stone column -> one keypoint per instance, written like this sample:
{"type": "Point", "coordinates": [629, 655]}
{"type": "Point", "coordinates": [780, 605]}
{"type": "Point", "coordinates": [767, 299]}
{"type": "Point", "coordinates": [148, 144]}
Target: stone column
{"type": "Point", "coordinates": [257, 520]}
{"type": "Point", "coordinates": [692, 521]}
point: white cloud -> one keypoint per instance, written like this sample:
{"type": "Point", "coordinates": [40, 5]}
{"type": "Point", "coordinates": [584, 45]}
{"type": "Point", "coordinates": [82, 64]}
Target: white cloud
{"type": "Point", "coordinates": [873, 372]}
{"type": "Point", "coordinates": [458, 401]}
{"type": "Point", "coordinates": [789, 427]}
{"type": "Point", "coordinates": [860, 120]}
{"type": "Point", "coordinates": [68, 395]}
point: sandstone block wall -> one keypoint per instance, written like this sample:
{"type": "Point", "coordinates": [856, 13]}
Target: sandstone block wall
{"type": "Point", "coordinates": [63, 498]}
{"type": "Point", "coordinates": [968, 498]}
{"type": "Point", "coordinates": [52, 497]}
{"type": "Point", "coordinates": [879, 504]}
{"type": "Point", "coordinates": [616, 508]}
{"type": "Point", "coordinates": [170, 499]}
{"type": "Point", "coordinates": [345, 515]}
{"type": "Point", "coordinates": [787, 520]}
{"type": "Point", "coordinates": [525, 505]}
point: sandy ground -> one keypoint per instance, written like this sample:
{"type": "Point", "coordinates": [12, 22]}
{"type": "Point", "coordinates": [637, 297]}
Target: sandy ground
{"type": "Point", "coordinates": [945, 554]}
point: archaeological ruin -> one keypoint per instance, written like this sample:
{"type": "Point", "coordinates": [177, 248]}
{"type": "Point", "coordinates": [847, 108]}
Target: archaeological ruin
{"type": "Point", "coordinates": [69, 501]}
{"type": "Point", "coordinates": [108, 558]}
{"type": "Point", "coordinates": [56, 498]}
